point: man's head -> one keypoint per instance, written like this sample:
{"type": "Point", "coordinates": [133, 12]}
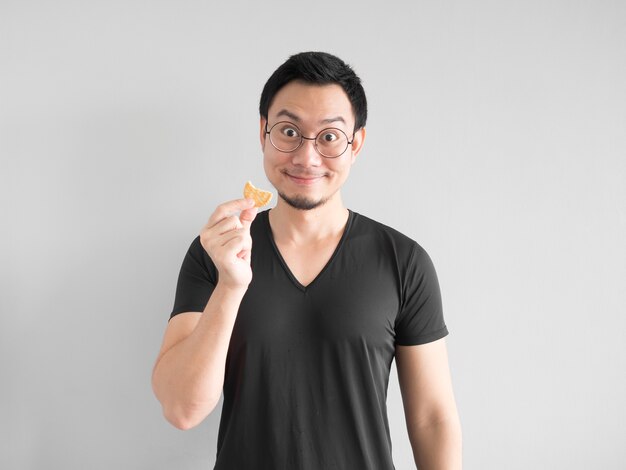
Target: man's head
{"type": "Point", "coordinates": [313, 113]}
{"type": "Point", "coordinates": [317, 68]}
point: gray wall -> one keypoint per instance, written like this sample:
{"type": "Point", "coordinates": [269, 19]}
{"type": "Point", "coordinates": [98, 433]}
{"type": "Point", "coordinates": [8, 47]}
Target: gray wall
{"type": "Point", "coordinates": [497, 140]}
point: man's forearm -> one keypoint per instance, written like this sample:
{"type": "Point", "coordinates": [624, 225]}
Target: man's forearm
{"type": "Point", "coordinates": [188, 378]}
{"type": "Point", "coordinates": [438, 445]}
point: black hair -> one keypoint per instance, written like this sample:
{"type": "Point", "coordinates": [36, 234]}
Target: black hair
{"type": "Point", "coordinates": [317, 68]}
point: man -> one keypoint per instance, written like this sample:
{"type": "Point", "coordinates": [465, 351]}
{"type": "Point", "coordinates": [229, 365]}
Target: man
{"type": "Point", "coordinates": [297, 313]}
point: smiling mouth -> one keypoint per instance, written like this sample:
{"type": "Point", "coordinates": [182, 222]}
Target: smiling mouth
{"type": "Point", "coordinates": [303, 178]}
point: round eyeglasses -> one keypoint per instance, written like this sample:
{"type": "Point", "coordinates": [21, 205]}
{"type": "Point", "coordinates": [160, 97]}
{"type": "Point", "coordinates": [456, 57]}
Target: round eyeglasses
{"type": "Point", "coordinates": [286, 137]}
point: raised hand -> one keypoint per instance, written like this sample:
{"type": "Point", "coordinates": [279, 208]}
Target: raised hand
{"type": "Point", "coordinates": [226, 239]}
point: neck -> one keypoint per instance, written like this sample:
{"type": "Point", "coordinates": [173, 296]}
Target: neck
{"type": "Point", "coordinates": [302, 227]}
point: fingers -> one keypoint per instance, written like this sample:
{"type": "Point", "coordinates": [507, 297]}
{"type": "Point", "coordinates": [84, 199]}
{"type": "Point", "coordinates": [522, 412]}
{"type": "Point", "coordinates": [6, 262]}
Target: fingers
{"type": "Point", "coordinates": [236, 238]}
{"type": "Point", "coordinates": [226, 225]}
{"type": "Point", "coordinates": [227, 235]}
{"type": "Point", "coordinates": [247, 216]}
{"type": "Point", "coordinates": [224, 231]}
{"type": "Point", "coordinates": [244, 255]}
{"type": "Point", "coordinates": [229, 208]}
{"type": "Point", "coordinates": [237, 243]}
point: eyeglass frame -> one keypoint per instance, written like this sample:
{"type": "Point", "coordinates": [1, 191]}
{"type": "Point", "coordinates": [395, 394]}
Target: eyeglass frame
{"type": "Point", "coordinates": [314, 139]}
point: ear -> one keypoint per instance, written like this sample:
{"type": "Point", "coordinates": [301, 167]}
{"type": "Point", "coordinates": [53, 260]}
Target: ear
{"type": "Point", "coordinates": [357, 142]}
{"type": "Point", "coordinates": [262, 134]}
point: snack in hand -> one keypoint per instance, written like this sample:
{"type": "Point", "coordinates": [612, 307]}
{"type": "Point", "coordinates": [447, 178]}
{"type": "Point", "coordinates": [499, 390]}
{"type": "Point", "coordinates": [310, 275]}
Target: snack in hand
{"type": "Point", "coordinates": [260, 197]}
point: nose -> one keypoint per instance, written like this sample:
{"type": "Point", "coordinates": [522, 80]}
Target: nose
{"type": "Point", "coordinates": [307, 155]}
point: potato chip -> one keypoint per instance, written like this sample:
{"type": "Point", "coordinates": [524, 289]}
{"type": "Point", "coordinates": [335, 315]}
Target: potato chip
{"type": "Point", "coordinates": [260, 197]}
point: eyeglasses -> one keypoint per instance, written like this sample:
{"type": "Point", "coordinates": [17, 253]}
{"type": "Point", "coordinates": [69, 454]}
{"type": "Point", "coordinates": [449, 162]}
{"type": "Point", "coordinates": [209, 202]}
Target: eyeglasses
{"type": "Point", "coordinates": [286, 137]}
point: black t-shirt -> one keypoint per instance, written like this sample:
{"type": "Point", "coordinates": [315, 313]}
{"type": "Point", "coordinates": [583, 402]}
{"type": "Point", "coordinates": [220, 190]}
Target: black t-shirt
{"type": "Point", "coordinates": [308, 367]}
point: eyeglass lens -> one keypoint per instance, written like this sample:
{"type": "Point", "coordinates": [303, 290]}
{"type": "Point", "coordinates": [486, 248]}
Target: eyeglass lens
{"type": "Point", "coordinates": [286, 137]}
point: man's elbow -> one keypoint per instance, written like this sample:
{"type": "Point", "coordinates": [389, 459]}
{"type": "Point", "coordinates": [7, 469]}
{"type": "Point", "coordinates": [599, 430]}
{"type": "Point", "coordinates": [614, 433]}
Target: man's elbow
{"type": "Point", "coordinates": [183, 423]}
{"type": "Point", "coordinates": [185, 418]}
{"type": "Point", "coordinates": [180, 412]}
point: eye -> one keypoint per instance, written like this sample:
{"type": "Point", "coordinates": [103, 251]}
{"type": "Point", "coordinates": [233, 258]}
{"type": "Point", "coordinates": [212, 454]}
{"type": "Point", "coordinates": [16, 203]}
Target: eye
{"type": "Point", "coordinates": [290, 132]}
{"type": "Point", "coordinates": [329, 136]}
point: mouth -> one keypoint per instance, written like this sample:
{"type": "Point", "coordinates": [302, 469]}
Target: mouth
{"type": "Point", "coordinates": [304, 179]}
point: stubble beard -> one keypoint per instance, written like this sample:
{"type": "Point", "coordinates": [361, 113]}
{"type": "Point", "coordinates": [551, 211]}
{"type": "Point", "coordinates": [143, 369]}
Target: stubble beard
{"type": "Point", "coordinates": [302, 203]}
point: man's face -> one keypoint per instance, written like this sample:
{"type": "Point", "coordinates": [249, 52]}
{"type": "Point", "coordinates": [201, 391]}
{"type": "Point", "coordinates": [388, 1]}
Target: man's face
{"type": "Point", "coordinates": [304, 178]}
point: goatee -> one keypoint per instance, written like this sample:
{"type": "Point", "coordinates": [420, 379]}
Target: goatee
{"type": "Point", "coordinates": [302, 203]}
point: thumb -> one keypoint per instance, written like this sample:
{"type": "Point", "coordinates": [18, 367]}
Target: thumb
{"type": "Point", "coordinates": [247, 216]}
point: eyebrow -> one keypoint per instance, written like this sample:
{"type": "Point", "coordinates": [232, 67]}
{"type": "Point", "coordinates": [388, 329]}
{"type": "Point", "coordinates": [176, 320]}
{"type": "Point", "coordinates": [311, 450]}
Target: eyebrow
{"type": "Point", "coordinates": [296, 118]}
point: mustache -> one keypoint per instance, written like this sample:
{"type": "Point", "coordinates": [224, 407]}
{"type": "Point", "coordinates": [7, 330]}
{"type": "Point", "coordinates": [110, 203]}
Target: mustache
{"type": "Point", "coordinates": [303, 173]}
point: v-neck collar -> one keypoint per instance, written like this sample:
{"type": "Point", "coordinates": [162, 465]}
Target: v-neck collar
{"type": "Point", "coordinates": [270, 235]}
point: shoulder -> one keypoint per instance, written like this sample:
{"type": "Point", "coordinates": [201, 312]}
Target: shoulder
{"type": "Point", "coordinates": [259, 224]}
{"type": "Point", "coordinates": [196, 247]}
{"type": "Point", "coordinates": [385, 237]}
{"type": "Point", "coordinates": [197, 257]}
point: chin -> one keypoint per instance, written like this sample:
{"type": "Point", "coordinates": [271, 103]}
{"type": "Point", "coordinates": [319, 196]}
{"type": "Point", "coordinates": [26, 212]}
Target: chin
{"type": "Point", "coordinates": [301, 202]}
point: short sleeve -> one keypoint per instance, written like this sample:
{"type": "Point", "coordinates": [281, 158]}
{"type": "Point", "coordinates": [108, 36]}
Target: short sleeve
{"type": "Point", "coordinates": [196, 280]}
{"type": "Point", "coordinates": [420, 319]}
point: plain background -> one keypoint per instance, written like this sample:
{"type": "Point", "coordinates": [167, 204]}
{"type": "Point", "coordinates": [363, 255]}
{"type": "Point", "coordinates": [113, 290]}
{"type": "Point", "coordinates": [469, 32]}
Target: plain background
{"type": "Point", "coordinates": [496, 139]}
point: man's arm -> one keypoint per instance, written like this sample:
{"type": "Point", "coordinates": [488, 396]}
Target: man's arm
{"type": "Point", "coordinates": [188, 375]}
{"type": "Point", "coordinates": [430, 410]}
